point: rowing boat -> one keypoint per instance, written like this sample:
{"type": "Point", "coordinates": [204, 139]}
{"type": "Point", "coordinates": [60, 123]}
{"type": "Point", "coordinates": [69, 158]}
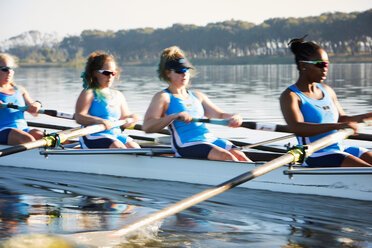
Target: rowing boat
{"type": "Point", "coordinates": [159, 164]}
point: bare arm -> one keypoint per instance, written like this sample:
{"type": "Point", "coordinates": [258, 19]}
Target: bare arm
{"type": "Point", "coordinates": [343, 117]}
{"type": "Point", "coordinates": [155, 118]}
{"type": "Point", "coordinates": [33, 107]}
{"type": "Point", "coordinates": [125, 111]}
{"type": "Point", "coordinates": [82, 107]}
{"type": "Point", "coordinates": [213, 111]}
{"type": "Point", "coordinates": [290, 105]}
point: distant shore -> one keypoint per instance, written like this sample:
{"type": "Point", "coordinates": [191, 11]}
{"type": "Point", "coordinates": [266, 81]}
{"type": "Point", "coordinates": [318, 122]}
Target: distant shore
{"type": "Point", "coordinates": [251, 60]}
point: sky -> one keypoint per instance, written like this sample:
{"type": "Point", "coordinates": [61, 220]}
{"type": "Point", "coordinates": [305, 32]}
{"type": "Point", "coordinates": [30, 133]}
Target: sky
{"type": "Point", "coordinates": [71, 17]}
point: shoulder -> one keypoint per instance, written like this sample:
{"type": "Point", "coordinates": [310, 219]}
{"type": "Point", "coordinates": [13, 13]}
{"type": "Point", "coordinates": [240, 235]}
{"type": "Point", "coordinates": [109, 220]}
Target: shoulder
{"type": "Point", "coordinates": [86, 94]}
{"type": "Point", "coordinates": [118, 93]}
{"type": "Point", "coordinates": [329, 90]}
{"type": "Point", "coordinates": [200, 95]}
{"type": "Point", "coordinates": [20, 88]}
{"type": "Point", "coordinates": [162, 95]}
{"type": "Point", "coordinates": [288, 95]}
{"type": "Point", "coordinates": [287, 92]}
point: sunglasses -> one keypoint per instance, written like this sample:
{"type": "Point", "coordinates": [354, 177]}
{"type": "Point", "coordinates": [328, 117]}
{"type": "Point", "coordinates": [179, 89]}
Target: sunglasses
{"type": "Point", "coordinates": [6, 68]}
{"type": "Point", "coordinates": [319, 64]}
{"type": "Point", "coordinates": [107, 73]}
{"type": "Point", "coordinates": [181, 71]}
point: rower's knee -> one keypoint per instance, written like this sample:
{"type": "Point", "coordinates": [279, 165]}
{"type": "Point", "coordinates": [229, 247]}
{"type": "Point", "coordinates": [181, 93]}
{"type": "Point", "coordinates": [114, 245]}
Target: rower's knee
{"type": "Point", "coordinates": [117, 144]}
{"type": "Point", "coordinates": [221, 154]}
{"type": "Point", "coordinates": [17, 137]}
{"type": "Point", "coordinates": [132, 144]}
{"type": "Point", "coordinates": [240, 155]}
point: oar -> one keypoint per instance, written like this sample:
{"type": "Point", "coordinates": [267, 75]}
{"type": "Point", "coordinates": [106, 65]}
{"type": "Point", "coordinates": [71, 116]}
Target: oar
{"type": "Point", "coordinates": [270, 127]}
{"type": "Point", "coordinates": [49, 112]}
{"type": "Point", "coordinates": [59, 137]}
{"type": "Point", "coordinates": [268, 142]}
{"type": "Point", "coordinates": [235, 142]}
{"type": "Point", "coordinates": [58, 127]}
{"type": "Point", "coordinates": [291, 156]}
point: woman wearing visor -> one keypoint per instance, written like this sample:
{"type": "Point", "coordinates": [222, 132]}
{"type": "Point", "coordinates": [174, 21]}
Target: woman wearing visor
{"type": "Point", "coordinates": [312, 111]}
{"type": "Point", "coordinates": [175, 106]}
{"type": "Point", "coordinates": [98, 103]}
{"type": "Point", "coordinates": [13, 126]}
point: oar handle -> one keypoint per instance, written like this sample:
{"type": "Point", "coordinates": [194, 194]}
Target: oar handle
{"type": "Point", "coordinates": [55, 113]}
{"type": "Point", "coordinates": [211, 121]}
{"type": "Point", "coordinates": [49, 112]}
{"type": "Point", "coordinates": [246, 124]}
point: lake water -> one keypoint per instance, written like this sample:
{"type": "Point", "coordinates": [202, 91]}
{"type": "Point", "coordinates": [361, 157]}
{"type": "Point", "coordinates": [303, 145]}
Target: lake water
{"type": "Point", "coordinates": [237, 218]}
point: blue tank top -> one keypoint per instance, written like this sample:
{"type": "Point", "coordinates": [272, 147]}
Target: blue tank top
{"type": "Point", "coordinates": [318, 111]}
{"type": "Point", "coordinates": [13, 118]}
{"type": "Point", "coordinates": [194, 131]}
{"type": "Point", "coordinates": [108, 109]}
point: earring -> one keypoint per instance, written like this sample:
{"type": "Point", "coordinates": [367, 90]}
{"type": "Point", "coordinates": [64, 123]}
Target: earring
{"type": "Point", "coordinates": [304, 69]}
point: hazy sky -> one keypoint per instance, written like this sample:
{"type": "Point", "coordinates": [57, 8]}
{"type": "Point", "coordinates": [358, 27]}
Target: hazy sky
{"type": "Point", "coordinates": [70, 17]}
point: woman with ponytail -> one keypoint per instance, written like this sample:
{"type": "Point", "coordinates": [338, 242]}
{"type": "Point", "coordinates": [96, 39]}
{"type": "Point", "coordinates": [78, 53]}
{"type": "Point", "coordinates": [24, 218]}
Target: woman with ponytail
{"type": "Point", "coordinates": [98, 103]}
{"type": "Point", "coordinates": [312, 111]}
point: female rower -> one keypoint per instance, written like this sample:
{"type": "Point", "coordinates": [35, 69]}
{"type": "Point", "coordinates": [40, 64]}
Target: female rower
{"type": "Point", "coordinates": [175, 106]}
{"type": "Point", "coordinates": [312, 111]}
{"type": "Point", "coordinates": [13, 126]}
{"type": "Point", "coordinates": [98, 103]}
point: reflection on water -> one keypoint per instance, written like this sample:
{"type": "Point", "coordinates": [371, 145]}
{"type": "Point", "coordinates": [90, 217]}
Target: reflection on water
{"type": "Point", "coordinates": [237, 218]}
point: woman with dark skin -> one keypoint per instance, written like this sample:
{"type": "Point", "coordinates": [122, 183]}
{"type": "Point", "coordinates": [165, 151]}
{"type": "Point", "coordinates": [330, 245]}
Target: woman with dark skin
{"type": "Point", "coordinates": [312, 111]}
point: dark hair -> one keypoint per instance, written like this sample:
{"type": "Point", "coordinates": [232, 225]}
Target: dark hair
{"type": "Point", "coordinates": [303, 50]}
{"type": "Point", "coordinates": [95, 62]}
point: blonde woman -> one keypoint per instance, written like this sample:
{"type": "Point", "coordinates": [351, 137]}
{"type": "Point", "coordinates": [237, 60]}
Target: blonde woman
{"type": "Point", "coordinates": [175, 106]}
{"type": "Point", "coordinates": [13, 126]}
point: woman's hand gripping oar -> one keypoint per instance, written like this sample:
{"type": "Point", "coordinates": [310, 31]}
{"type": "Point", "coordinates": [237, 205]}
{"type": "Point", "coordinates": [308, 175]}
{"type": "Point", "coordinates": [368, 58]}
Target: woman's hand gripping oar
{"type": "Point", "coordinates": [60, 137]}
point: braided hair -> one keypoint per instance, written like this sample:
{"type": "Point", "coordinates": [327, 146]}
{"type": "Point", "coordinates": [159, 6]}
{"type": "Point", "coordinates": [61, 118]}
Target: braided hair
{"type": "Point", "coordinates": [303, 50]}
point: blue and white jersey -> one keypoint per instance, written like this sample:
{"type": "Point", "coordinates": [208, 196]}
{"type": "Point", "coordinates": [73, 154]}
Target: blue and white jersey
{"type": "Point", "coordinates": [182, 132]}
{"type": "Point", "coordinates": [13, 118]}
{"type": "Point", "coordinates": [318, 111]}
{"type": "Point", "coordinates": [108, 109]}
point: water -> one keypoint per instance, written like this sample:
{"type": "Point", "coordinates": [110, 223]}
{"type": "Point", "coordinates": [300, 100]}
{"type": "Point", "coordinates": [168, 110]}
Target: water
{"type": "Point", "coordinates": [42, 202]}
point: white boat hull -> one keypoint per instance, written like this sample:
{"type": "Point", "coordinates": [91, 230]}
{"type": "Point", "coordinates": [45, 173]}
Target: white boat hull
{"type": "Point", "coordinates": [336, 182]}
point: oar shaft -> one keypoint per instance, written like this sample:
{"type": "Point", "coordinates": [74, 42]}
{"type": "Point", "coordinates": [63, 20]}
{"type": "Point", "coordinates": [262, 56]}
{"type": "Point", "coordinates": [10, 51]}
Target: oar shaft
{"type": "Point", "coordinates": [206, 194]}
{"type": "Point", "coordinates": [55, 113]}
{"type": "Point", "coordinates": [268, 141]}
{"type": "Point", "coordinates": [211, 121]}
{"type": "Point", "coordinates": [270, 127]}
{"type": "Point", "coordinates": [62, 136]}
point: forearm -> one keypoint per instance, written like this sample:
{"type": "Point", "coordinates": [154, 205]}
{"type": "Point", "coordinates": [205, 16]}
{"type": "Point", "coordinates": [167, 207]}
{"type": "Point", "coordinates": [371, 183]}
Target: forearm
{"type": "Point", "coordinates": [306, 129]}
{"type": "Point", "coordinates": [356, 118]}
{"type": "Point", "coordinates": [156, 124]}
{"type": "Point", "coordinates": [86, 120]}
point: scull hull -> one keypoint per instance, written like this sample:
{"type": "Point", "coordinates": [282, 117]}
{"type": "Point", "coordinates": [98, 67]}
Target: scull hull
{"type": "Point", "coordinates": [336, 182]}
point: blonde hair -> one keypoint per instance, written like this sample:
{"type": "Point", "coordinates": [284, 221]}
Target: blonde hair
{"type": "Point", "coordinates": [6, 56]}
{"type": "Point", "coordinates": [170, 53]}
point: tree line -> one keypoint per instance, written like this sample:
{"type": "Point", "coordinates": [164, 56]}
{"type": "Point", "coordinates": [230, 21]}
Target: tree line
{"type": "Point", "coordinates": [341, 34]}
